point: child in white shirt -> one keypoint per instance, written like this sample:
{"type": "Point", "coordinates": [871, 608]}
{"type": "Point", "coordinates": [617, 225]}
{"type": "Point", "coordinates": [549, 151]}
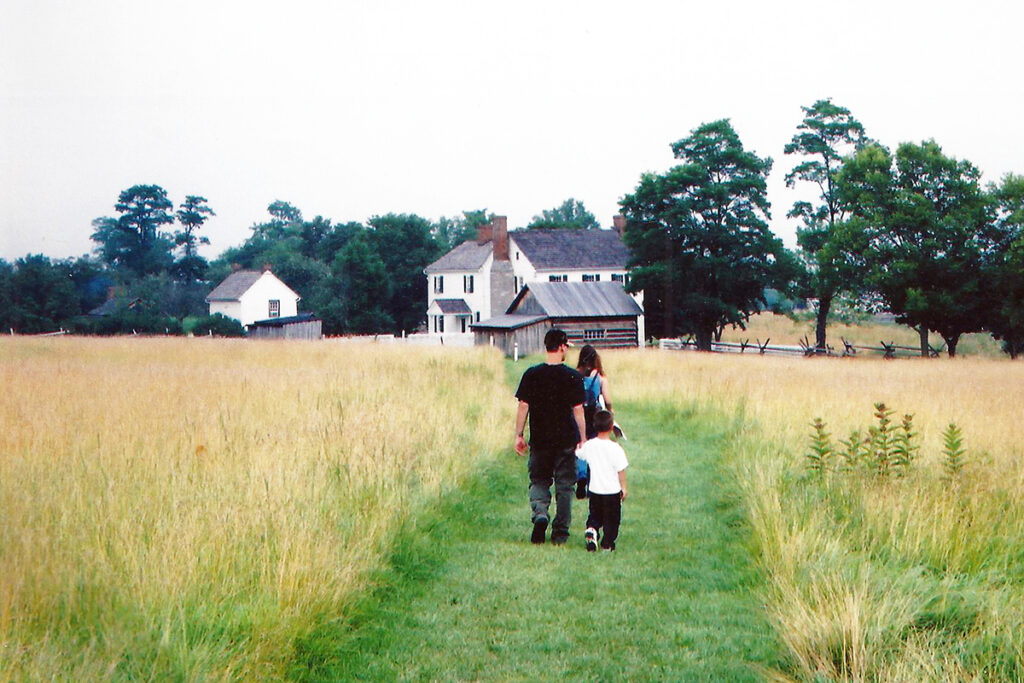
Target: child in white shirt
{"type": "Point", "coordinates": [607, 485]}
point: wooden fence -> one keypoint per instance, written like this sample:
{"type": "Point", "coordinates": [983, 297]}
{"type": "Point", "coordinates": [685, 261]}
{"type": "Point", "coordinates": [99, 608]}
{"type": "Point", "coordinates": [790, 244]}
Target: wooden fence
{"type": "Point", "coordinates": [888, 350]}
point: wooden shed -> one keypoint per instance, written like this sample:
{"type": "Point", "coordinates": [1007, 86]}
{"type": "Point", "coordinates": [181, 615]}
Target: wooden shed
{"type": "Point", "coordinates": [302, 326]}
{"type": "Point", "coordinates": [601, 314]}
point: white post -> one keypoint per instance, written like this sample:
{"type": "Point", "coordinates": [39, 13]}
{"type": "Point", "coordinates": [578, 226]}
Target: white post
{"type": "Point", "coordinates": [515, 352]}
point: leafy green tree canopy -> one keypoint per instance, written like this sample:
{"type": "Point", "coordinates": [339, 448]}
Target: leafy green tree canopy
{"type": "Point", "coordinates": [134, 242]}
{"type": "Point", "coordinates": [192, 214]}
{"type": "Point", "coordinates": [451, 232]}
{"type": "Point", "coordinates": [921, 228]}
{"type": "Point", "coordinates": [570, 214]}
{"type": "Point", "coordinates": [698, 234]}
{"type": "Point", "coordinates": [38, 295]}
{"type": "Point", "coordinates": [1006, 316]}
{"type": "Point", "coordinates": [406, 246]}
{"type": "Point", "coordinates": [827, 133]}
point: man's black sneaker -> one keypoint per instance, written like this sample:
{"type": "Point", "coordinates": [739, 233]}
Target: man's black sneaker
{"type": "Point", "coordinates": [559, 540]}
{"type": "Point", "coordinates": [540, 526]}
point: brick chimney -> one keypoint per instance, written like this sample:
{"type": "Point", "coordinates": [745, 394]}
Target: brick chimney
{"type": "Point", "coordinates": [619, 223]}
{"type": "Point", "coordinates": [484, 233]}
{"type": "Point", "coordinates": [500, 225]}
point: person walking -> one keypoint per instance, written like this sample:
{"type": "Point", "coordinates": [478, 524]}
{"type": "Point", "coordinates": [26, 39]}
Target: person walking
{"type": "Point", "coordinates": [595, 386]}
{"type": "Point", "coordinates": [608, 465]}
{"type": "Point", "coordinates": [550, 394]}
{"type": "Point", "coordinates": [596, 396]}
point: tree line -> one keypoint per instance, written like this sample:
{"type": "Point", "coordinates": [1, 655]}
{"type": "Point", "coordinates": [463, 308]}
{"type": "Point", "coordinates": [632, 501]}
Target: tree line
{"type": "Point", "coordinates": [911, 230]}
{"type": "Point", "coordinates": [358, 278]}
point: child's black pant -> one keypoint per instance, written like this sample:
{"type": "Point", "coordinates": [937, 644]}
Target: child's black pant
{"type": "Point", "coordinates": [605, 515]}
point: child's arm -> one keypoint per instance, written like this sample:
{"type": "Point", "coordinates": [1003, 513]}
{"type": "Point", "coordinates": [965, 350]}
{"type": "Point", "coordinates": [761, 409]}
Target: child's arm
{"type": "Point", "coordinates": [622, 483]}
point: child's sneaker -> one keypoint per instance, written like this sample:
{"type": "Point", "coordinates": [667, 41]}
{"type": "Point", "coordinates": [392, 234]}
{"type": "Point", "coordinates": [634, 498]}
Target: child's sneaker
{"type": "Point", "coordinates": [590, 538]}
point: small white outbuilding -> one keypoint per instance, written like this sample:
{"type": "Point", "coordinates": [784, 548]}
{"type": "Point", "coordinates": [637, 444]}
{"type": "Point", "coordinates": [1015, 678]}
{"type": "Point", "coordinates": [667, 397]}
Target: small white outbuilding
{"type": "Point", "coordinates": [251, 295]}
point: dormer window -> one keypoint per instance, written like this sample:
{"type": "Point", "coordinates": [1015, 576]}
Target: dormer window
{"type": "Point", "coordinates": [592, 277]}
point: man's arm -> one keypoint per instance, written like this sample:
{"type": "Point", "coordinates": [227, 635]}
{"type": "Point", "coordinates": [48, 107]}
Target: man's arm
{"type": "Point", "coordinates": [521, 413]}
{"type": "Point", "coordinates": [622, 483]}
{"type": "Point", "coordinates": [581, 424]}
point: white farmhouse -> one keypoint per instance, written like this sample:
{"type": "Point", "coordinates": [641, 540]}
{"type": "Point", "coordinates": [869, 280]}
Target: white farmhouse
{"type": "Point", "coordinates": [478, 280]}
{"type": "Point", "coordinates": [251, 295]}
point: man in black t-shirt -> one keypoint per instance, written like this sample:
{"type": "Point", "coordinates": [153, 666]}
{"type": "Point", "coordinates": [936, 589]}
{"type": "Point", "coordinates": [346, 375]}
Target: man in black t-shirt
{"type": "Point", "coordinates": [551, 394]}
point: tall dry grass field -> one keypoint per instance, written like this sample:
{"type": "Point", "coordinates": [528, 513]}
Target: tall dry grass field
{"type": "Point", "coordinates": [919, 577]}
{"type": "Point", "coordinates": [192, 509]}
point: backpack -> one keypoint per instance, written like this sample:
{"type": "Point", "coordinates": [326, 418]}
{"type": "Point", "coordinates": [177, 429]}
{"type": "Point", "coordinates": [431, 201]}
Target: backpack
{"type": "Point", "coordinates": [591, 401]}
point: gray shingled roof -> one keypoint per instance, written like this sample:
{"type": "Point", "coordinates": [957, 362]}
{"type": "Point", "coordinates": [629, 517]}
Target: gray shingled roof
{"type": "Point", "coordinates": [234, 285]}
{"type": "Point", "coordinates": [507, 322]}
{"type": "Point", "coordinates": [453, 306]}
{"type": "Point", "coordinates": [579, 299]}
{"type": "Point", "coordinates": [287, 320]}
{"type": "Point", "coordinates": [468, 256]}
{"type": "Point", "coordinates": [553, 249]}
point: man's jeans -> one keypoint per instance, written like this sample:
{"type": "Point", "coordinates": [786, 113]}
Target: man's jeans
{"type": "Point", "coordinates": [547, 466]}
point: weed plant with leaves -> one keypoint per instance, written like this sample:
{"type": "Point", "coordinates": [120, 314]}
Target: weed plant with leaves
{"type": "Point", "coordinates": [953, 453]}
{"type": "Point", "coordinates": [855, 450]}
{"type": "Point", "coordinates": [884, 450]}
{"type": "Point", "coordinates": [882, 440]}
{"type": "Point", "coordinates": [819, 458]}
{"type": "Point", "coordinates": [904, 448]}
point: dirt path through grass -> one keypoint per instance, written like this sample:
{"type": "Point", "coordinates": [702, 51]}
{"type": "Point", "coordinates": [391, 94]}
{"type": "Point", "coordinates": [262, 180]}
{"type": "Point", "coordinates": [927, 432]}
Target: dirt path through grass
{"type": "Point", "coordinates": [469, 598]}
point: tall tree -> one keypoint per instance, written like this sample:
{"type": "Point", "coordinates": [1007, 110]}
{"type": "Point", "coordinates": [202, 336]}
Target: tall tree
{"type": "Point", "coordinates": [923, 232]}
{"type": "Point", "coordinates": [192, 215]}
{"type": "Point", "coordinates": [134, 241]}
{"type": "Point", "coordinates": [570, 214]}
{"type": "Point", "coordinates": [699, 239]}
{"type": "Point", "coordinates": [282, 215]}
{"type": "Point", "coordinates": [406, 246]}
{"type": "Point", "coordinates": [1006, 315]}
{"type": "Point", "coordinates": [363, 287]}
{"type": "Point", "coordinates": [827, 133]}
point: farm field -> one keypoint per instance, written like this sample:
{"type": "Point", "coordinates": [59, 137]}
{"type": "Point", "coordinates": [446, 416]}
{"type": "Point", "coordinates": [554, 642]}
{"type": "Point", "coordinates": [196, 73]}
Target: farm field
{"type": "Point", "coordinates": [211, 509]}
{"type": "Point", "coordinates": [783, 330]}
{"type": "Point", "coordinates": [916, 575]}
{"type": "Point", "coordinates": [196, 509]}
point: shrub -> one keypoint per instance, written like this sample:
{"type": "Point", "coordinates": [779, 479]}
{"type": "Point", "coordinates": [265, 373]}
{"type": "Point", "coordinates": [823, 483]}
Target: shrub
{"type": "Point", "coordinates": [218, 325]}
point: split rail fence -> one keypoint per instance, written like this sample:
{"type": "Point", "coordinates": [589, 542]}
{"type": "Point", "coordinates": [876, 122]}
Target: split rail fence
{"type": "Point", "coordinates": [805, 348]}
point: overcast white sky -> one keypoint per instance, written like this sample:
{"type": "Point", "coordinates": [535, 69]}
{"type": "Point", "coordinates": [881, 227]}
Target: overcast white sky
{"type": "Point", "coordinates": [352, 109]}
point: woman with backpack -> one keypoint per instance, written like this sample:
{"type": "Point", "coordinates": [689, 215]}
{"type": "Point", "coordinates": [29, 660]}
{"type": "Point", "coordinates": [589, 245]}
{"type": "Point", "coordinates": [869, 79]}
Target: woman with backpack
{"type": "Point", "coordinates": [596, 397]}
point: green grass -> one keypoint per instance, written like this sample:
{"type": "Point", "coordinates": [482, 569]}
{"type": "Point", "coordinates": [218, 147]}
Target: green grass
{"type": "Point", "coordinates": [467, 597]}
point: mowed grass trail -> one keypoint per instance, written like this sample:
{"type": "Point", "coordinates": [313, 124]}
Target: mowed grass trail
{"type": "Point", "coordinates": [469, 598]}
